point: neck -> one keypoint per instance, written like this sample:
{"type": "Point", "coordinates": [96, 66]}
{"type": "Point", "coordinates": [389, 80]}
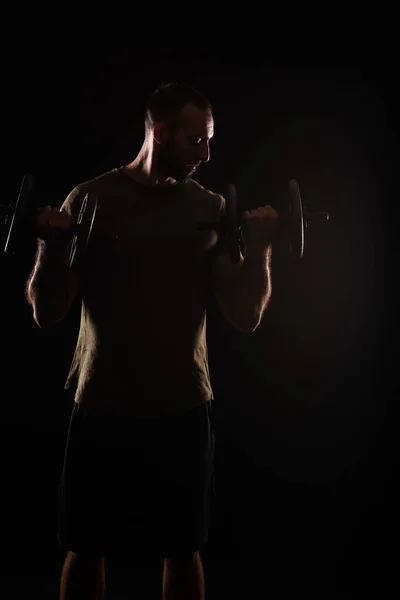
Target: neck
{"type": "Point", "coordinates": [144, 167]}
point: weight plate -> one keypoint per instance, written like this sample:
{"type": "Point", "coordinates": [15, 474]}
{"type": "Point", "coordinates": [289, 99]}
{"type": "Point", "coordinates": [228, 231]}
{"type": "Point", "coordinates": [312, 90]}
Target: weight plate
{"type": "Point", "coordinates": [84, 226]}
{"type": "Point", "coordinates": [19, 215]}
{"type": "Point", "coordinates": [295, 223]}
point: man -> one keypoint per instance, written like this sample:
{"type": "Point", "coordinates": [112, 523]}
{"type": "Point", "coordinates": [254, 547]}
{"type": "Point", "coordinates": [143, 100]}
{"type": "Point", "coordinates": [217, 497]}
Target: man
{"type": "Point", "coordinates": [139, 457]}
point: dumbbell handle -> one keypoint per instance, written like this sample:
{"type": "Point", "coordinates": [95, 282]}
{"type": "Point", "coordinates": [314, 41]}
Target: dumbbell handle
{"type": "Point", "coordinates": [315, 217]}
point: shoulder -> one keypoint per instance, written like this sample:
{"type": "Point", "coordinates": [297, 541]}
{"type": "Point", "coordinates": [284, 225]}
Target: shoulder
{"type": "Point", "coordinates": [212, 198]}
{"type": "Point", "coordinates": [103, 184]}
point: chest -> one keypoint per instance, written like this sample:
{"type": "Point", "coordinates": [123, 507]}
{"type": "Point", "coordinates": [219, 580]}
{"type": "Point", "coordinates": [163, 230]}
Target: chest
{"type": "Point", "coordinates": [148, 235]}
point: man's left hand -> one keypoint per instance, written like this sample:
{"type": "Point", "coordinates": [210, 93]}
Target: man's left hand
{"type": "Point", "coordinates": [260, 227]}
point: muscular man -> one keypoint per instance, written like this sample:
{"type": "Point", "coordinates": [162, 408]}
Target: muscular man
{"type": "Point", "coordinates": [139, 456]}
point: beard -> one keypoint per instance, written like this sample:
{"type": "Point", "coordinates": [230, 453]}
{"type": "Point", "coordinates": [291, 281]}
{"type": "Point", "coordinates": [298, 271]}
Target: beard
{"type": "Point", "coordinates": [170, 167]}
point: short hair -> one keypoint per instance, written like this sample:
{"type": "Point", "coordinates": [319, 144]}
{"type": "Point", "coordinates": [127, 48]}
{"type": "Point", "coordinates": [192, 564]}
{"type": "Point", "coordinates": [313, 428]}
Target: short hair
{"type": "Point", "coordinates": [168, 99]}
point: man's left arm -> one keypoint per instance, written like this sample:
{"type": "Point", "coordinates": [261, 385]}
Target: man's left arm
{"type": "Point", "coordinates": [243, 290]}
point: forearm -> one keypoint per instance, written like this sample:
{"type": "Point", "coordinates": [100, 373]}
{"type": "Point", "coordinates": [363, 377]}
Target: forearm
{"type": "Point", "coordinates": [51, 283]}
{"type": "Point", "coordinates": [252, 288]}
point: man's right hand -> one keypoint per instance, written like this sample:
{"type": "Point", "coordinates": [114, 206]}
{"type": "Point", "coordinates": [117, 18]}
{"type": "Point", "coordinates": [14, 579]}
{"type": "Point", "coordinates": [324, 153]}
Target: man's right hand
{"type": "Point", "coordinates": [53, 224]}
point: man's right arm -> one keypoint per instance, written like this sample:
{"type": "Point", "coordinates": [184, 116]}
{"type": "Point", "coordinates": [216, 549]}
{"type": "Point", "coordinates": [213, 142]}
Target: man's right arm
{"type": "Point", "coordinates": [53, 285]}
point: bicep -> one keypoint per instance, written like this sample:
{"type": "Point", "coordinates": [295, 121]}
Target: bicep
{"type": "Point", "coordinates": [225, 274]}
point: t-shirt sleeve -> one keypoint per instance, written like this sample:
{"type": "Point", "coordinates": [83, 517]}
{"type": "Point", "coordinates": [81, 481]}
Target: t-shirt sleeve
{"type": "Point", "coordinates": [224, 242]}
{"type": "Point", "coordinates": [222, 207]}
{"type": "Point", "coordinates": [73, 202]}
{"type": "Point", "coordinates": [222, 245]}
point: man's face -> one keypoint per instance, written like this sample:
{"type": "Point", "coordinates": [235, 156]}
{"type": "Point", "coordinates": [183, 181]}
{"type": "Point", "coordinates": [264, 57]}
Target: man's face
{"type": "Point", "coordinates": [182, 151]}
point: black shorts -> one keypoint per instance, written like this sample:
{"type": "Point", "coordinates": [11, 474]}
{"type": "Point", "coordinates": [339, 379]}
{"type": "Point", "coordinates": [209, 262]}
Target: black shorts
{"type": "Point", "coordinates": [140, 485]}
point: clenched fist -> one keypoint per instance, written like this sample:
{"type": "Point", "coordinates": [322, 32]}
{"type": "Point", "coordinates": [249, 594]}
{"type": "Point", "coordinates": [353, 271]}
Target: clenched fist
{"type": "Point", "coordinates": [260, 227]}
{"type": "Point", "coordinates": [53, 224]}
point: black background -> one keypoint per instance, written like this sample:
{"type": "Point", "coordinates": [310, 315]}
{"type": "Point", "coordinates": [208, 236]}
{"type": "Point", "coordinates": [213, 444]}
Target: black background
{"type": "Point", "coordinates": [306, 408]}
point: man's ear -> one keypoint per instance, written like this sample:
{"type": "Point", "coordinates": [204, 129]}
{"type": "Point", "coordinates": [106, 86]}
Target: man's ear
{"type": "Point", "coordinates": [159, 133]}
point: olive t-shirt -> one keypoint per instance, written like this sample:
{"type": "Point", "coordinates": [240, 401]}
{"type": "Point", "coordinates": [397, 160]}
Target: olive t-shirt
{"type": "Point", "coordinates": [141, 348]}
